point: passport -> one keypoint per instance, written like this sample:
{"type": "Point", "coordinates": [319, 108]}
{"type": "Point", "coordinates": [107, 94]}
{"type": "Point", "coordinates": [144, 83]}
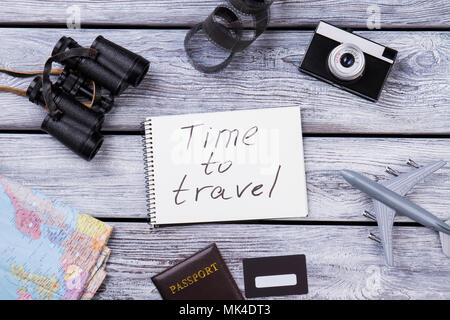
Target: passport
{"type": "Point", "coordinates": [203, 276]}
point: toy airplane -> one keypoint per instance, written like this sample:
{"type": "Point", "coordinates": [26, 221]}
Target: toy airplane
{"type": "Point", "coordinates": [388, 200]}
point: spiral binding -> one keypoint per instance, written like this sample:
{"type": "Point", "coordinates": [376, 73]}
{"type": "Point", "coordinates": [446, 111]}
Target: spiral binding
{"type": "Point", "coordinates": [147, 142]}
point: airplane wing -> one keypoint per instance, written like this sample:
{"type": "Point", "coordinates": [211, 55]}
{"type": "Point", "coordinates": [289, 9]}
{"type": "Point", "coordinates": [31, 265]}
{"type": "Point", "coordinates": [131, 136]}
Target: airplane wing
{"type": "Point", "coordinates": [385, 220]}
{"type": "Point", "coordinates": [385, 215]}
{"type": "Point", "coordinates": [406, 181]}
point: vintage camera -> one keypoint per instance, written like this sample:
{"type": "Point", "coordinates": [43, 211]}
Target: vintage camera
{"type": "Point", "coordinates": [348, 61]}
{"type": "Point", "coordinates": [85, 91]}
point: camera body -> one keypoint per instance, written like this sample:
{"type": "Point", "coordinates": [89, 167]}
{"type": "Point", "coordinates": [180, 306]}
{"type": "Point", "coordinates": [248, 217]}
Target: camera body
{"type": "Point", "coordinates": [348, 61]}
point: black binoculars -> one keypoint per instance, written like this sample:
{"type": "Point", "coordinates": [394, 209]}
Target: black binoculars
{"type": "Point", "coordinates": [96, 80]}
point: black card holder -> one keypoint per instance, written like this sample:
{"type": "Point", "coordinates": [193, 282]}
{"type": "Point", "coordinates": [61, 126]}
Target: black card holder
{"type": "Point", "coordinates": [203, 276]}
{"type": "Point", "coordinates": [275, 276]}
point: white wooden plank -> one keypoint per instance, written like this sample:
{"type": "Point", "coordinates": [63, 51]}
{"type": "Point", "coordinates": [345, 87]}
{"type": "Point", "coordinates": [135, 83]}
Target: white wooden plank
{"type": "Point", "coordinates": [341, 262]}
{"type": "Point", "coordinates": [285, 13]}
{"type": "Point", "coordinates": [416, 98]}
{"type": "Point", "coordinates": [112, 185]}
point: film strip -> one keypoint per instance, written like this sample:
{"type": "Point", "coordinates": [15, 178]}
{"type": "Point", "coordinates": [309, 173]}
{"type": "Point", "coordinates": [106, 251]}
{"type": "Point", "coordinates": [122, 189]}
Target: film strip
{"type": "Point", "coordinates": [224, 28]}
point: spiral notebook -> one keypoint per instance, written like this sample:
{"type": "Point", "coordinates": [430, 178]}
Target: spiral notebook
{"type": "Point", "coordinates": [225, 166]}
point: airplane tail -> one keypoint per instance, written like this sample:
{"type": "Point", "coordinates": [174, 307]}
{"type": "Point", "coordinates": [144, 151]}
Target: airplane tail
{"type": "Point", "coordinates": [445, 241]}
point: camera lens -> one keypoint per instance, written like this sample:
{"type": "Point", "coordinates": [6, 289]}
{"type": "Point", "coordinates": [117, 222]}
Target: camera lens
{"type": "Point", "coordinates": [346, 62]}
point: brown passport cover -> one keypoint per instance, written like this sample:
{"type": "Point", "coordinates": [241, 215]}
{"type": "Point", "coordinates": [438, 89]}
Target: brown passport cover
{"type": "Point", "coordinates": [203, 276]}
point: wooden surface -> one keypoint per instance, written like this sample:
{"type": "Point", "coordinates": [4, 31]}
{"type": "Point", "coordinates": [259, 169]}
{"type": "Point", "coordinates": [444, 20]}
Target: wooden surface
{"type": "Point", "coordinates": [93, 187]}
{"type": "Point", "coordinates": [411, 120]}
{"type": "Point", "coordinates": [338, 266]}
{"type": "Point", "coordinates": [180, 13]}
{"type": "Point", "coordinates": [416, 98]}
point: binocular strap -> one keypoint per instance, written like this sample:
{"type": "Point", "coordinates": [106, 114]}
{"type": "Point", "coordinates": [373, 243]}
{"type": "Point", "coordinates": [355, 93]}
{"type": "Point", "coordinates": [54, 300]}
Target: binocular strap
{"type": "Point", "coordinates": [16, 91]}
{"type": "Point", "coordinates": [53, 110]}
{"type": "Point", "coordinates": [23, 74]}
{"type": "Point", "coordinates": [96, 95]}
{"type": "Point", "coordinates": [224, 28]}
{"type": "Point", "coordinates": [26, 74]}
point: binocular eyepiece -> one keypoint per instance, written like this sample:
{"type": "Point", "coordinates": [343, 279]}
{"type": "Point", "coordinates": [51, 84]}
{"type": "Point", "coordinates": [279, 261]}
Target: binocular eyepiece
{"type": "Point", "coordinates": [97, 80]}
{"type": "Point", "coordinates": [115, 67]}
{"type": "Point", "coordinates": [78, 128]}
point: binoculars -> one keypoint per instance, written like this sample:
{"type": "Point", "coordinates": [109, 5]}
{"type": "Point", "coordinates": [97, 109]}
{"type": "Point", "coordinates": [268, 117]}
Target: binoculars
{"type": "Point", "coordinates": [97, 80]}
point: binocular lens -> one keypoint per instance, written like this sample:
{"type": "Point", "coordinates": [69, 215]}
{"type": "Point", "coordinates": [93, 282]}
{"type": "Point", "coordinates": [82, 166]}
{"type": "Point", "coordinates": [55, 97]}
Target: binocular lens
{"type": "Point", "coordinates": [126, 64]}
{"type": "Point", "coordinates": [74, 136]}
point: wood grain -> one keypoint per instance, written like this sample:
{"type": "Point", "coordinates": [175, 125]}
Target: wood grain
{"type": "Point", "coordinates": [179, 13]}
{"type": "Point", "coordinates": [416, 99]}
{"type": "Point", "coordinates": [112, 185]}
{"type": "Point", "coordinates": [342, 263]}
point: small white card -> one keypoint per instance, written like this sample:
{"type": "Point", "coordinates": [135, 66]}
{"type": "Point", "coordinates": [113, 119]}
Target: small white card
{"type": "Point", "coordinates": [237, 165]}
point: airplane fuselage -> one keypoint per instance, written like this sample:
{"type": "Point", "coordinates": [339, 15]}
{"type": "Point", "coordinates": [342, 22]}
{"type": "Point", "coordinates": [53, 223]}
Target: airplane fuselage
{"type": "Point", "coordinates": [395, 201]}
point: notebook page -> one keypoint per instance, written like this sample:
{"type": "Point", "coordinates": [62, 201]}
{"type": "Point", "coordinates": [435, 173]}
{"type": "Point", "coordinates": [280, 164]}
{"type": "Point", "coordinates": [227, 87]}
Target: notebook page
{"type": "Point", "coordinates": [237, 165]}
